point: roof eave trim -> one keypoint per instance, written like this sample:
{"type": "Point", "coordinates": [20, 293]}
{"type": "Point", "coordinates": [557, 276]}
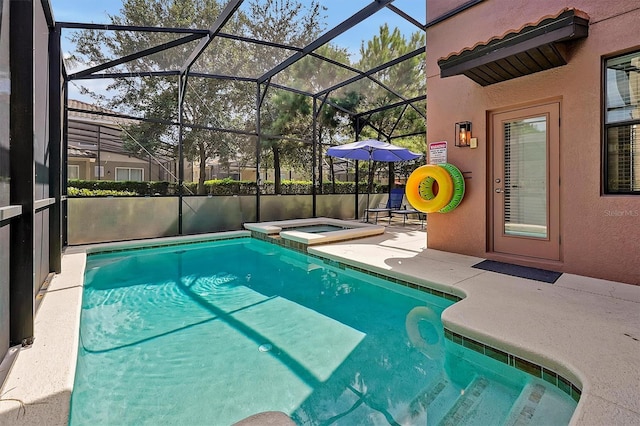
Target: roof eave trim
{"type": "Point", "coordinates": [567, 28]}
{"type": "Point", "coordinates": [566, 33]}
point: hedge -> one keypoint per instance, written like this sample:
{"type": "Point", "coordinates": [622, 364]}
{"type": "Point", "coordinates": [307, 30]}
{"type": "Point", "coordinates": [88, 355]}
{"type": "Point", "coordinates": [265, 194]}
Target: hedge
{"type": "Point", "coordinates": [85, 192]}
{"type": "Point", "coordinates": [135, 188]}
{"type": "Point", "coordinates": [87, 188]}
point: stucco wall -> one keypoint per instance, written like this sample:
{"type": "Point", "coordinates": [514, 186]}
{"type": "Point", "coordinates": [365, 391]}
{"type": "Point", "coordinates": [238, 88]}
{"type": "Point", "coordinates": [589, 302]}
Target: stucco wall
{"type": "Point", "coordinates": [110, 161]}
{"type": "Point", "coordinates": [600, 233]}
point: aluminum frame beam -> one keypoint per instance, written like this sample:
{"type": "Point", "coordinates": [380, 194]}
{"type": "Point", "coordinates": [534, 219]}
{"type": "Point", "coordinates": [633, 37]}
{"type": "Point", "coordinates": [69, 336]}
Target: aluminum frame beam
{"type": "Point", "coordinates": [137, 55]}
{"type": "Point", "coordinates": [55, 149]}
{"type": "Point", "coordinates": [374, 70]}
{"type": "Point", "coordinates": [22, 172]}
{"type": "Point", "coordinates": [125, 75]}
{"type": "Point", "coordinates": [224, 17]}
{"type": "Point", "coordinates": [406, 16]}
{"type": "Point", "coordinates": [136, 28]}
{"type": "Point", "coordinates": [355, 19]}
{"type": "Point", "coordinates": [160, 121]}
{"type": "Point", "coordinates": [260, 42]}
{"type": "Point", "coordinates": [391, 106]}
{"type": "Point", "coordinates": [375, 80]}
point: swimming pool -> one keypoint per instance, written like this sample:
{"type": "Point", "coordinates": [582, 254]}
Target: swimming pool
{"type": "Point", "coordinates": [215, 332]}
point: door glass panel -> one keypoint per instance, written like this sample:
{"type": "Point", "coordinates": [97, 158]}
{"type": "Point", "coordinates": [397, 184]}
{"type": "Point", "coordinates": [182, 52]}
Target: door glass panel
{"type": "Point", "coordinates": [525, 180]}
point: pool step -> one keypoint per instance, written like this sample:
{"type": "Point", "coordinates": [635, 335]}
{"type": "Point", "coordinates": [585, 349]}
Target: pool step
{"type": "Point", "coordinates": [466, 403]}
{"type": "Point", "coordinates": [539, 405]}
{"type": "Point", "coordinates": [421, 405]}
{"type": "Point", "coordinates": [435, 402]}
{"type": "Point", "coordinates": [525, 407]}
{"type": "Point", "coordinates": [484, 402]}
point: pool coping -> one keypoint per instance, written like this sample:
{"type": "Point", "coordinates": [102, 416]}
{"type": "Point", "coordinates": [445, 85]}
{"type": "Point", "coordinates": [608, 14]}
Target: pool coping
{"type": "Point", "coordinates": [301, 240]}
{"type": "Point", "coordinates": [572, 387]}
{"type": "Point", "coordinates": [42, 375]}
{"type": "Point", "coordinates": [530, 331]}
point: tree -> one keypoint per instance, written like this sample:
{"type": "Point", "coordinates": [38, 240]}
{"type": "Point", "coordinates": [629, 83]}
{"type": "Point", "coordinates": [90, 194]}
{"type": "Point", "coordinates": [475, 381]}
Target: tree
{"type": "Point", "coordinates": [208, 102]}
{"type": "Point", "coordinates": [340, 122]}
{"type": "Point", "coordinates": [285, 115]}
{"type": "Point", "coordinates": [406, 78]}
{"type": "Point", "coordinates": [288, 114]}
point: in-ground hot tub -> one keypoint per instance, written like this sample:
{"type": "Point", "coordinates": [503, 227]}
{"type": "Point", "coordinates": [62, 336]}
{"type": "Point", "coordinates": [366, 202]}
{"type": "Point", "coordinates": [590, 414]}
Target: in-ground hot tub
{"type": "Point", "coordinates": [301, 233]}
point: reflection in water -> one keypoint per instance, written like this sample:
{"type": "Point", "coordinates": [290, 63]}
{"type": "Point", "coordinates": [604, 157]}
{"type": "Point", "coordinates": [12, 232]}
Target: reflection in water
{"type": "Point", "coordinates": [425, 331]}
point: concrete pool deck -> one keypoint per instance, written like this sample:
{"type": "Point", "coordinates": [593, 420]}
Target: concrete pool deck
{"type": "Point", "coordinates": [587, 329]}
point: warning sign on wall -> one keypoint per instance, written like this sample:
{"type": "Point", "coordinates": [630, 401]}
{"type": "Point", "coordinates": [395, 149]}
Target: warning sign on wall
{"type": "Point", "coordinates": [438, 152]}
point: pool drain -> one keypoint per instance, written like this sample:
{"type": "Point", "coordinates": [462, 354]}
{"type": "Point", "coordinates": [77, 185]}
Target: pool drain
{"type": "Point", "coordinates": [266, 347]}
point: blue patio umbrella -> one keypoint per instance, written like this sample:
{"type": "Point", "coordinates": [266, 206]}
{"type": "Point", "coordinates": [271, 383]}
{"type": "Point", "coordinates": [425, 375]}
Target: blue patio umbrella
{"type": "Point", "coordinates": [372, 150]}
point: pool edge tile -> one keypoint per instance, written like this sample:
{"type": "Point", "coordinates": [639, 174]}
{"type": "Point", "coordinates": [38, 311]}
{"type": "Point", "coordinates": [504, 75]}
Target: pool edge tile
{"type": "Point", "coordinates": [528, 367]}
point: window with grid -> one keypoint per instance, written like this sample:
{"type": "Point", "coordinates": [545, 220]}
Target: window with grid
{"type": "Point", "coordinates": [622, 124]}
{"type": "Point", "coordinates": [130, 174]}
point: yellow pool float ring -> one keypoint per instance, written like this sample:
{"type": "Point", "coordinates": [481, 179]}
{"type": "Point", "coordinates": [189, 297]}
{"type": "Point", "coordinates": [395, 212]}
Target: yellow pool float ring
{"type": "Point", "coordinates": [420, 185]}
{"type": "Point", "coordinates": [445, 188]}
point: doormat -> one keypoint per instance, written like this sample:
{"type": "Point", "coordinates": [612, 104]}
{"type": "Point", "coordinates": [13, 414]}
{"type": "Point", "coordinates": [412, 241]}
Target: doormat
{"type": "Point", "coordinates": [519, 271]}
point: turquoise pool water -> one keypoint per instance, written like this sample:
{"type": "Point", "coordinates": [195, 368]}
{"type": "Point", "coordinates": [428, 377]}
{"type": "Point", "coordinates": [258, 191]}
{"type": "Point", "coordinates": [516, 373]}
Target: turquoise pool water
{"type": "Point", "coordinates": [211, 333]}
{"type": "Point", "coordinates": [315, 229]}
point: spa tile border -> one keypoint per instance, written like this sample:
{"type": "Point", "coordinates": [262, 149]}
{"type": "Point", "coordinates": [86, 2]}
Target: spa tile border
{"type": "Point", "coordinates": [521, 364]}
{"type": "Point", "coordinates": [282, 242]}
{"type": "Point", "coordinates": [290, 244]}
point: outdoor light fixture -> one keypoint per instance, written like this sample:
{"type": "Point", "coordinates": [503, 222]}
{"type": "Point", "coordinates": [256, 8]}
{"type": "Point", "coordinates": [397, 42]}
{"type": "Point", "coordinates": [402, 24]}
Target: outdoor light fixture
{"type": "Point", "coordinates": [463, 133]}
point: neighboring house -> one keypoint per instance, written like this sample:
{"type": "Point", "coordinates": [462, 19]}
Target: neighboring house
{"type": "Point", "coordinates": [552, 91]}
{"type": "Point", "coordinates": [96, 151]}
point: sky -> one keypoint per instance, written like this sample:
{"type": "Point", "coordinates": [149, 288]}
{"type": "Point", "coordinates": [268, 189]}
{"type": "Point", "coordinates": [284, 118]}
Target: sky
{"type": "Point", "coordinates": [336, 11]}
{"type": "Point", "coordinates": [96, 11]}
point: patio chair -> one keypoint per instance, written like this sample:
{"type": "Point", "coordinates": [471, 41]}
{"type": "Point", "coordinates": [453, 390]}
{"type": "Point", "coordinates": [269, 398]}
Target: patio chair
{"type": "Point", "coordinates": [393, 203]}
{"type": "Point", "coordinates": [404, 211]}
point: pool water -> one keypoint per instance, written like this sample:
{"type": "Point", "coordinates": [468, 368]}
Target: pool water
{"type": "Point", "coordinates": [315, 229]}
{"type": "Point", "coordinates": [211, 333]}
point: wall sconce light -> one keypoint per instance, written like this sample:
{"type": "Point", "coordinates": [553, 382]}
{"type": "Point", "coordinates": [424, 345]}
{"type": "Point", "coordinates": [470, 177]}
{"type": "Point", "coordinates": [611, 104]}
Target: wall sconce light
{"type": "Point", "coordinates": [463, 133]}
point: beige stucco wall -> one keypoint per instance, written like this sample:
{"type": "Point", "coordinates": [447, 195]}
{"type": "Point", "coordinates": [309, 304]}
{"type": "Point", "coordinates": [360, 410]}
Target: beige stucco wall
{"type": "Point", "coordinates": [110, 161]}
{"type": "Point", "coordinates": [600, 233]}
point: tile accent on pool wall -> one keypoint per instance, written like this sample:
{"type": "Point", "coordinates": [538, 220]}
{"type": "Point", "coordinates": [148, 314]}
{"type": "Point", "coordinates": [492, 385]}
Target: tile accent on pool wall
{"type": "Point", "coordinates": [421, 287]}
{"type": "Point", "coordinates": [500, 356]}
{"type": "Point", "coordinates": [167, 244]}
{"type": "Point", "coordinates": [528, 367]}
{"type": "Point", "coordinates": [301, 247]}
{"type": "Point", "coordinates": [282, 242]}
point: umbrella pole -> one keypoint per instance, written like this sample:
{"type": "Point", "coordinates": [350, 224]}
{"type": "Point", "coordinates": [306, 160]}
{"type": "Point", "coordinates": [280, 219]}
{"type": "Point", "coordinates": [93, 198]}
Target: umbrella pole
{"type": "Point", "coordinates": [368, 188]}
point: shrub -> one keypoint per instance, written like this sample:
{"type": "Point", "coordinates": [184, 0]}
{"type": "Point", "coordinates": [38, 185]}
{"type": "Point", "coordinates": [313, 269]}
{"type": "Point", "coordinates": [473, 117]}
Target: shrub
{"type": "Point", "coordinates": [227, 186]}
{"type": "Point", "coordinates": [85, 192]}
